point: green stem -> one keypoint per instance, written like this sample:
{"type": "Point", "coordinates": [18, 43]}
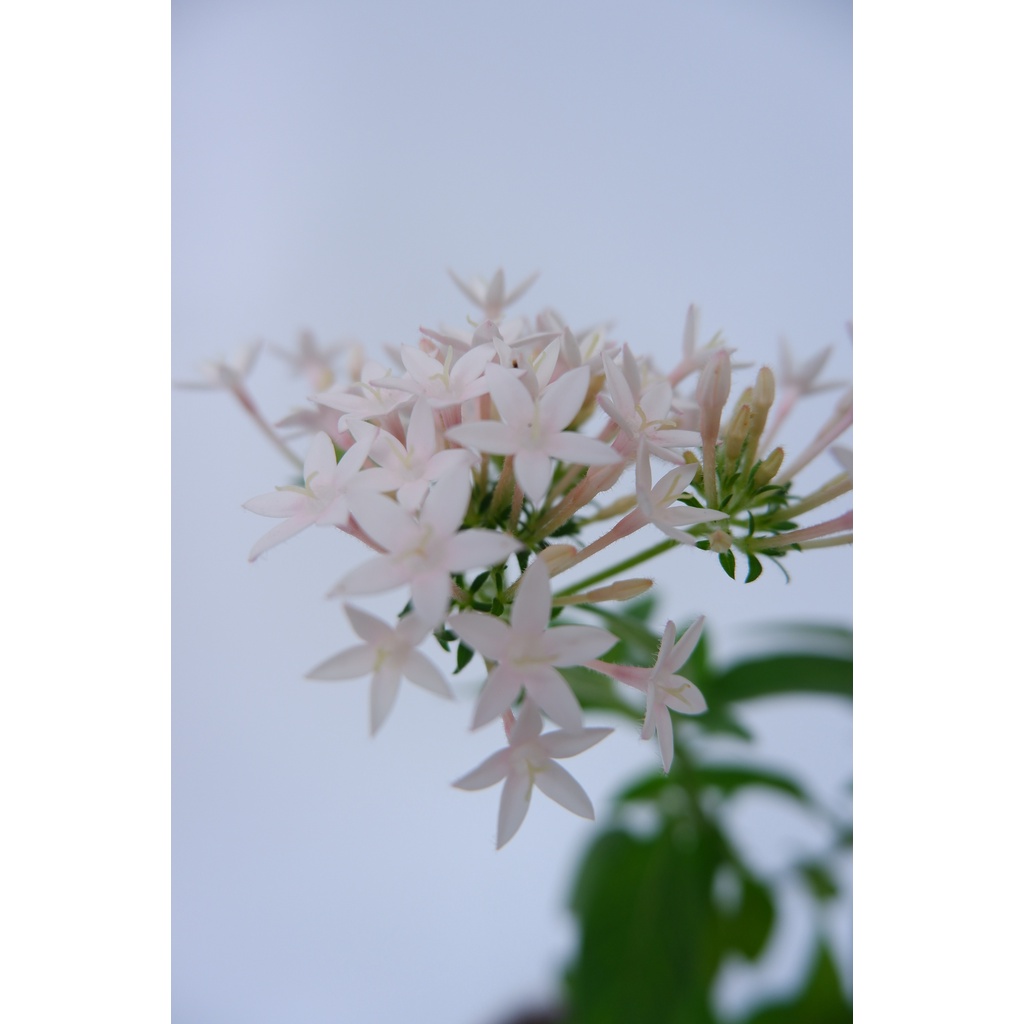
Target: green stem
{"type": "Point", "coordinates": [622, 566]}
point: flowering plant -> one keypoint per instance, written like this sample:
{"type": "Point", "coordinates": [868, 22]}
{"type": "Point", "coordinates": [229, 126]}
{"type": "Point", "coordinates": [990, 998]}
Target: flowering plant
{"type": "Point", "coordinates": [477, 467]}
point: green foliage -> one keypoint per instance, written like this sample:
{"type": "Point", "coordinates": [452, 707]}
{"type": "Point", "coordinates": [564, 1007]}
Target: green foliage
{"type": "Point", "coordinates": [661, 908]}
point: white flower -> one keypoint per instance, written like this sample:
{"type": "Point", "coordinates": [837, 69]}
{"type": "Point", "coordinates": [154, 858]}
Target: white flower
{"type": "Point", "coordinates": [528, 761]}
{"type": "Point", "coordinates": [490, 296]}
{"type": "Point", "coordinates": [642, 412]}
{"type": "Point", "coordinates": [324, 500]}
{"type": "Point", "coordinates": [533, 429]}
{"type": "Point", "coordinates": [659, 504]}
{"type": "Point", "coordinates": [375, 395]}
{"type": "Point", "coordinates": [390, 654]}
{"type": "Point", "coordinates": [443, 383]}
{"type": "Point", "coordinates": [408, 469]}
{"type": "Point", "coordinates": [423, 552]}
{"type": "Point", "coordinates": [526, 652]}
{"type": "Point", "coordinates": [663, 687]}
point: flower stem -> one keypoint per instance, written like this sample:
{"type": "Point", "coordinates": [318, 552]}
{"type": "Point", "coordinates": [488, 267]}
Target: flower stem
{"type": "Point", "coordinates": [622, 566]}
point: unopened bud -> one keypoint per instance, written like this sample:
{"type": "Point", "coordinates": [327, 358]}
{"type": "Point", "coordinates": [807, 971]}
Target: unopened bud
{"type": "Point", "coordinates": [691, 460]}
{"type": "Point", "coordinates": [768, 468]}
{"type": "Point", "coordinates": [737, 433]}
{"type": "Point", "coordinates": [622, 590]}
{"type": "Point", "coordinates": [558, 557]}
{"type": "Point", "coordinates": [712, 394]}
{"type": "Point", "coordinates": [720, 542]}
{"type": "Point", "coordinates": [764, 395]}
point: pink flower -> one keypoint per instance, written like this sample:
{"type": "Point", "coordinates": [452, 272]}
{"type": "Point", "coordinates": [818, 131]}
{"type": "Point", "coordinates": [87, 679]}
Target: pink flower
{"type": "Point", "coordinates": [663, 687]}
{"type": "Point", "coordinates": [533, 430]}
{"type": "Point", "coordinates": [526, 652]}
{"type": "Point", "coordinates": [389, 653]}
{"type": "Point", "coordinates": [528, 761]}
{"type": "Point", "coordinates": [324, 500]}
{"type": "Point", "coordinates": [422, 552]}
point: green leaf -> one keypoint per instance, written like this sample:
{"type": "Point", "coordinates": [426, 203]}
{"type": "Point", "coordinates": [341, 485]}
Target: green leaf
{"type": "Point", "coordinates": [728, 562]}
{"type": "Point", "coordinates": [463, 656]}
{"type": "Point", "coordinates": [781, 674]}
{"type": "Point", "coordinates": [730, 778]}
{"type": "Point", "coordinates": [747, 929]}
{"type": "Point", "coordinates": [754, 569]}
{"type": "Point", "coordinates": [819, 881]}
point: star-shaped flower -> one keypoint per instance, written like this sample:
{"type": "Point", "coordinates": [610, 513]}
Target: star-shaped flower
{"type": "Point", "coordinates": [533, 429]}
{"type": "Point", "coordinates": [443, 383]}
{"type": "Point", "coordinates": [389, 653]}
{"type": "Point", "coordinates": [526, 652]}
{"type": "Point", "coordinates": [642, 412]}
{"type": "Point", "coordinates": [490, 296]}
{"type": "Point", "coordinates": [324, 500]}
{"type": "Point", "coordinates": [659, 505]}
{"type": "Point", "coordinates": [409, 469]}
{"type": "Point", "coordinates": [423, 551]}
{"type": "Point", "coordinates": [528, 761]}
{"type": "Point", "coordinates": [663, 687]}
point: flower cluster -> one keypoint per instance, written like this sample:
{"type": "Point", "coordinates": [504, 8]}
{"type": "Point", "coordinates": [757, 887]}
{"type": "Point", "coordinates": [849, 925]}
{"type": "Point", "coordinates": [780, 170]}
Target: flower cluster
{"type": "Point", "coordinates": [477, 466]}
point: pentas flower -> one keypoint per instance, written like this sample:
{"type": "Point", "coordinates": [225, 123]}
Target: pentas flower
{"type": "Point", "coordinates": [443, 383]}
{"type": "Point", "coordinates": [375, 395]}
{"type": "Point", "coordinates": [533, 429]}
{"type": "Point", "coordinates": [642, 412]}
{"type": "Point", "coordinates": [491, 296]}
{"type": "Point", "coordinates": [528, 761]}
{"type": "Point", "coordinates": [228, 374]}
{"type": "Point", "coordinates": [316, 364]}
{"type": "Point", "coordinates": [422, 552]}
{"type": "Point", "coordinates": [324, 500]}
{"type": "Point", "coordinates": [389, 654]}
{"type": "Point", "coordinates": [409, 468]}
{"type": "Point", "coordinates": [525, 652]}
{"type": "Point", "coordinates": [663, 687]}
{"type": "Point", "coordinates": [659, 504]}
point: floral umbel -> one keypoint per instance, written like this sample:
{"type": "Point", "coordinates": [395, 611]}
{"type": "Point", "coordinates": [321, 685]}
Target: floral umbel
{"type": "Point", "coordinates": [473, 472]}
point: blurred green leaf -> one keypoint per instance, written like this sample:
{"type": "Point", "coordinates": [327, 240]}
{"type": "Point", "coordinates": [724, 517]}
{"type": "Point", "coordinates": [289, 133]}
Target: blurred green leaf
{"type": "Point", "coordinates": [597, 692]}
{"type": "Point", "coordinates": [819, 1000]}
{"type": "Point", "coordinates": [780, 674]}
{"type": "Point", "coordinates": [747, 930]}
{"type": "Point", "coordinates": [732, 778]}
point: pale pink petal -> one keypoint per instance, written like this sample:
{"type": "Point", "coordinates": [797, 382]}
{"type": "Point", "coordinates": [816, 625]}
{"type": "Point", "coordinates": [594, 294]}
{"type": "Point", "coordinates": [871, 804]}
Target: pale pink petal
{"type": "Point", "coordinates": [368, 627]}
{"type": "Point", "coordinates": [470, 366]}
{"type": "Point", "coordinates": [511, 398]}
{"type": "Point", "coordinates": [484, 633]}
{"type": "Point", "coordinates": [419, 669]}
{"type": "Point", "coordinates": [563, 399]}
{"type": "Point", "coordinates": [665, 648]}
{"type": "Point", "coordinates": [515, 802]}
{"type": "Point", "coordinates": [421, 433]}
{"type": "Point", "coordinates": [666, 736]}
{"type": "Point", "coordinates": [631, 675]}
{"type": "Point", "coordinates": [351, 664]}
{"type": "Point", "coordinates": [383, 691]}
{"type": "Point", "coordinates": [684, 648]}
{"type": "Point", "coordinates": [488, 773]}
{"type": "Point", "coordinates": [472, 549]}
{"type": "Point", "coordinates": [528, 724]}
{"type": "Point", "coordinates": [500, 690]}
{"type": "Point", "coordinates": [279, 533]}
{"type": "Point", "coordinates": [531, 610]}
{"type": "Point", "coordinates": [412, 494]}
{"type": "Point", "coordinates": [421, 366]}
{"type": "Point", "coordinates": [533, 474]}
{"type": "Point", "coordinates": [553, 694]}
{"type": "Point", "coordinates": [280, 504]}
{"type": "Point", "coordinates": [586, 451]}
{"type": "Point", "coordinates": [384, 521]}
{"type": "Point", "coordinates": [562, 743]}
{"type": "Point", "coordinates": [352, 461]}
{"type": "Point", "coordinates": [445, 506]}
{"type": "Point", "coordinates": [321, 458]}
{"type": "Point", "coordinates": [432, 596]}
{"type": "Point", "coordinates": [493, 438]}
{"type": "Point", "coordinates": [688, 701]}
{"type": "Point", "coordinates": [574, 645]}
{"type": "Point", "coordinates": [374, 577]}
{"type": "Point", "coordinates": [554, 781]}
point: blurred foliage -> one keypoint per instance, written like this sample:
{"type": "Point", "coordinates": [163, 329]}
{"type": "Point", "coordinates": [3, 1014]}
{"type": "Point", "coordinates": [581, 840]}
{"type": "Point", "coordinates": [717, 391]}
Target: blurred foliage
{"type": "Point", "coordinates": [662, 905]}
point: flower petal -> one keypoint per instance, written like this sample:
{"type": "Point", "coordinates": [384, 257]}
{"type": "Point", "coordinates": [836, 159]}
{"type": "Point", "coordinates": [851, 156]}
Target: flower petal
{"type": "Point", "coordinates": [383, 691]}
{"type": "Point", "coordinates": [574, 645]}
{"type": "Point", "coordinates": [473, 549]}
{"type": "Point", "coordinates": [419, 669]}
{"type": "Point", "coordinates": [488, 773]}
{"type": "Point", "coordinates": [533, 473]}
{"type": "Point", "coordinates": [484, 633]}
{"type": "Point", "coordinates": [502, 687]}
{"type": "Point", "coordinates": [531, 610]}
{"type": "Point", "coordinates": [554, 781]}
{"type": "Point", "coordinates": [554, 695]}
{"type": "Point", "coordinates": [349, 664]}
{"type": "Point", "coordinates": [515, 802]}
{"type": "Point", "coordinates": [564, 743]}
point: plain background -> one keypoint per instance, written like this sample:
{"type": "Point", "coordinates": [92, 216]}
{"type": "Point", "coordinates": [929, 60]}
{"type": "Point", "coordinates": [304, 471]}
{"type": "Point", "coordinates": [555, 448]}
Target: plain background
{"type": "Point", "coordinates": [330, 162]}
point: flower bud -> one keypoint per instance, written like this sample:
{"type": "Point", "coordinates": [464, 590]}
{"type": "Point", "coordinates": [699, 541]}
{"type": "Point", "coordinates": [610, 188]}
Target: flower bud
{"type": "Point", "coordinates": [737, 432]}
{"type": "Point", "coordinates": [621, 590]}
{"type": "Point", "coordinates": [712, 394]}
{"type": "Point", "coordinates": [768, 468]}
{"type": "Point", "coordinates": [764, 395]}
